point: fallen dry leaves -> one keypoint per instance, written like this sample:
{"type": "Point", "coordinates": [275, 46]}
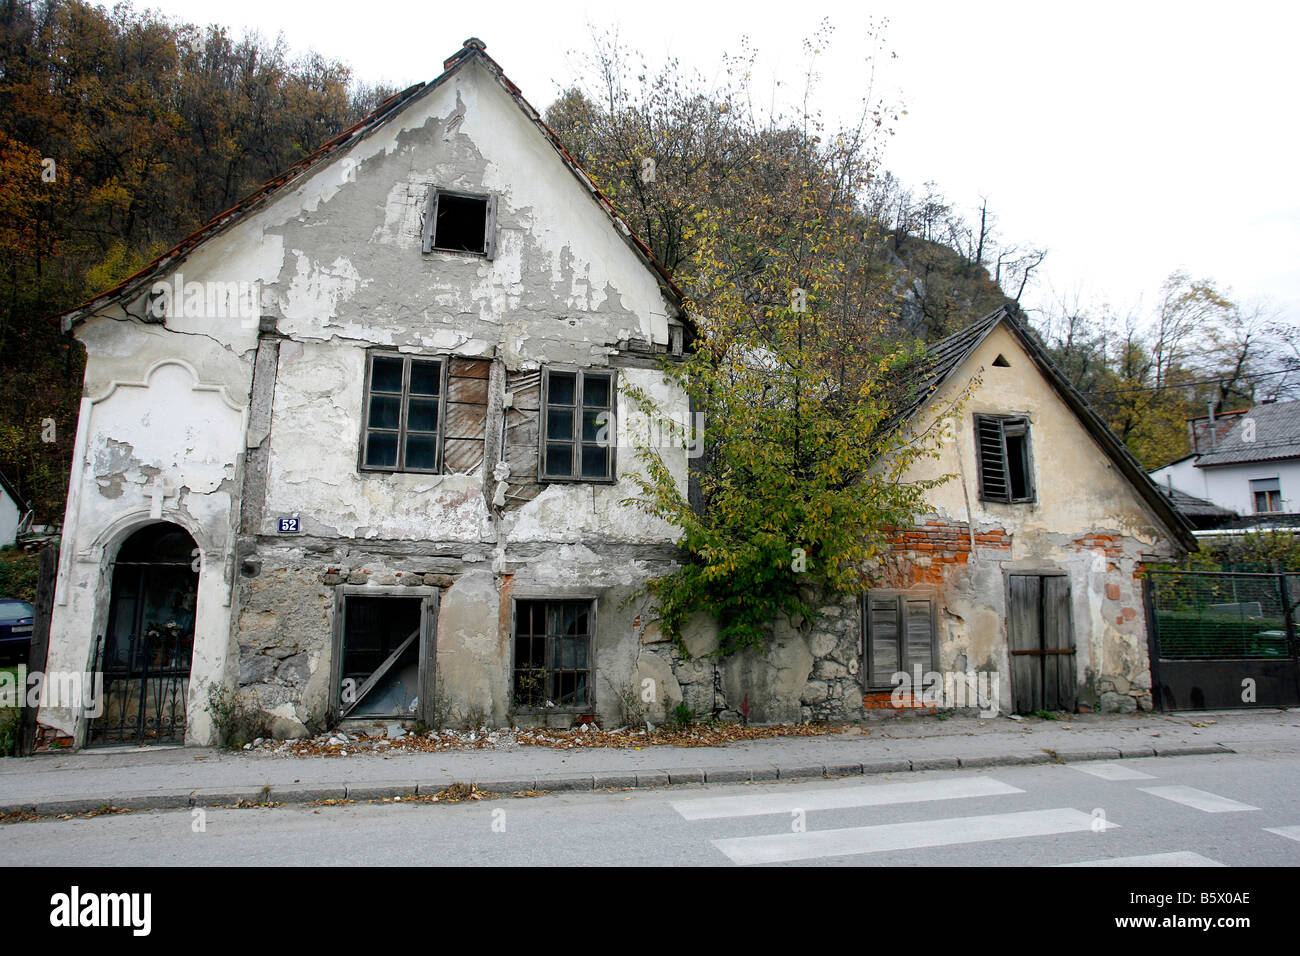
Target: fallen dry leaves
{"type": "Point", "coordinates": [692, 735]}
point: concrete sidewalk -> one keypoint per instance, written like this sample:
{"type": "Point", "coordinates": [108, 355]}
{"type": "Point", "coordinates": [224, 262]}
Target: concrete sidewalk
{"type": "Point", "coordinates": [156, 778]}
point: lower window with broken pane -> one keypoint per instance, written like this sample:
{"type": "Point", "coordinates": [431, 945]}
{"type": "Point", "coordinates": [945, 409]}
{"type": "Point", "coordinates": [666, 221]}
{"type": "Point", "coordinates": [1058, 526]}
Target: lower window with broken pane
{"type": "Point", "coordinates": [553, 653]}
{"type": "Point", "coordinates": [380, 670]}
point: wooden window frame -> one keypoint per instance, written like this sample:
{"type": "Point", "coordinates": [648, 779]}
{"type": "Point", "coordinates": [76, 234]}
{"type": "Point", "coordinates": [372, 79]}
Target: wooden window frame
{"type": "Point", "coordinates": [576, 443]}
{"type": "Point", "coordinates": [431, 598]}
{"type": "Point", "coordinates": [1001, 422]}
{"type": "Point", "coordinates": [407, 358]}
{"type": "Point", "coordinates": [556, 597]}
{"type": "Point", "coordinates": [431, 221]}
{"type": "Point", "coordinates": [1271, 495]}
{"type": "Point", "coordinates": [871, 680]}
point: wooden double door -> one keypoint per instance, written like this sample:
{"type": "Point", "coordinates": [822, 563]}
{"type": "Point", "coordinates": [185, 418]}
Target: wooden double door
{"type": "Point", "coordinates": [1043, 673]}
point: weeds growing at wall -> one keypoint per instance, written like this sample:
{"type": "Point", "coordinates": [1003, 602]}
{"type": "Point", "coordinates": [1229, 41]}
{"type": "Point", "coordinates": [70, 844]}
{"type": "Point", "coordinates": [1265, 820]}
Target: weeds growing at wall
{"type": "Point", "coordinates": [235, 722]}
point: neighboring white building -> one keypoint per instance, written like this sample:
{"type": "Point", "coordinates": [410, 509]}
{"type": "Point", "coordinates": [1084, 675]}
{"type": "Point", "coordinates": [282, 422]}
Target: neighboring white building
{"type": "Point", "coordinates": [1253, 469]}
{"type": "Point", "coordinates": [13, 511]}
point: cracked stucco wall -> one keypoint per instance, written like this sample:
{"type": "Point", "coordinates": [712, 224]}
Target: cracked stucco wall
{"type": "Point", "coordinates": [160, 434]}
{"type": "Point", "coordinates": [1086, 521]}
{"type": "Point", "coordinates": [338, 266]}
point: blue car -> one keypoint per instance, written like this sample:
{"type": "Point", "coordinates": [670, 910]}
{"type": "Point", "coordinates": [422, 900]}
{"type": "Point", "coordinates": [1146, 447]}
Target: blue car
{"type": "Point", "coordinates": [15, 629]}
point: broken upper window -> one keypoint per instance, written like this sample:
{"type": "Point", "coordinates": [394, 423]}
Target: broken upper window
{"type": "Point", "coordinates": [460, 222]}
{"type": "Point", "coordinates": [552, 666]}
{"type": "Point", "coordinates": [577, 425]}
{"type": "Point", "coordinates": [403, 413]}
{"type": "Point", "coordinates": [1002, 446]}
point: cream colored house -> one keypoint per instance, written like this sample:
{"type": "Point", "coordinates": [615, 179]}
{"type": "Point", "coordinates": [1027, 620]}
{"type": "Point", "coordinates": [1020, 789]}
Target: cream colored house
{"type": "Point", "coordinates": [1029, 563]}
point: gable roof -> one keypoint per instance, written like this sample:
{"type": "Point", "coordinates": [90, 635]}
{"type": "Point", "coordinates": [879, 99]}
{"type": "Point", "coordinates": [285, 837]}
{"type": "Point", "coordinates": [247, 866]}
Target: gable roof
{"type": "Point", "coordinates": [472, 49]}
{"type": "Point", "coordinates": [22, 503]}
{"type": "Point", "coordinates": [943, 358]}
{"type": "Point", "coordinates": [1193, 506]}
{"type": "Point", "coordinates": [1276, 434]}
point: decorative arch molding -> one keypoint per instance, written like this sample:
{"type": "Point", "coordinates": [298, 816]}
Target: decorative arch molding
{"type": "Point", "coordinates": [198, 386]}
{"type": "Point", "coordinates": [112, 535]}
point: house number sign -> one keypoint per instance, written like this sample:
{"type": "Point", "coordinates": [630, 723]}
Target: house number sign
{"type": "Point", "coordinates": [289, 525]}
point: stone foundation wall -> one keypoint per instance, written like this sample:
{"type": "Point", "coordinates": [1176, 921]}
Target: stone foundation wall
{"type": "Point", "coordinates": [284, 630]}
{"type": "Point", "coordinates": [969, 568]}
{"type": "Point", "coordinates": [809, 670]}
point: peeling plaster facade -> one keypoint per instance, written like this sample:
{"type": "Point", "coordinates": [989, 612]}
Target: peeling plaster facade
{"type": "Point", "coordinates": [223, 425]}
{"type": "Point", "coordinates": [1087, 524]}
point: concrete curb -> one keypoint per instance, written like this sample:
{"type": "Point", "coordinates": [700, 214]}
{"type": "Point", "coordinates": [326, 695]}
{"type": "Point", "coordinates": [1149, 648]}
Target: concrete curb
{"type": "Point", "coordinates": [295, 794]}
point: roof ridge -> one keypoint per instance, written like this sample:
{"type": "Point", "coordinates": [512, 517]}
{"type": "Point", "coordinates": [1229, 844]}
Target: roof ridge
{"type": "Point", "coordinates": [471, 49]}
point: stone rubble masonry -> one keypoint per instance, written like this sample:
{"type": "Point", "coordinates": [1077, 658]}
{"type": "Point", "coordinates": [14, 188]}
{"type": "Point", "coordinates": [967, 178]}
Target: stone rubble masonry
{"type": "Point", "coordinates": [810, 670]}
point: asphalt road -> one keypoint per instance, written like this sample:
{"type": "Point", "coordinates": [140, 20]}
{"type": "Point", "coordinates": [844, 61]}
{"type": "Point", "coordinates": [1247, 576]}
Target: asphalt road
{"type": "Point", "coordinates": [1230, 810]}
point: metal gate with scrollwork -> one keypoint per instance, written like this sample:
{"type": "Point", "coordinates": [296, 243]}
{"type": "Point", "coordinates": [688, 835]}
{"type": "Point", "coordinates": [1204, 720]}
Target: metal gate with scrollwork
{"type": "Point", "coordinates": [145, 654]}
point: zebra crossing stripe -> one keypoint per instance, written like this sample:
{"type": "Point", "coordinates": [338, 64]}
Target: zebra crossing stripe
{"type": "Point", "coordinates": [1178, 858]}
{"type": "Point", "coordinates": [1291, 833]}
{"type": "Point", "coordinates": [1198, 799]}
{"type": "Point", "coordinates": [1111, 771]}
{"type": "Point", "coordinates": [832, 798]}
{"type": "Point", "coordinates": [789, 847]}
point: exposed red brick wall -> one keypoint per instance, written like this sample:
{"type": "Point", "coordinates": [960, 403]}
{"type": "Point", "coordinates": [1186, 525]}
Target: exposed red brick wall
{"type": "Point", "coordinates": [945, 544]}
{"type": "Point", "coordinates": [884, 700]}
{"type": "Point", "coordinates": [1106, 543]}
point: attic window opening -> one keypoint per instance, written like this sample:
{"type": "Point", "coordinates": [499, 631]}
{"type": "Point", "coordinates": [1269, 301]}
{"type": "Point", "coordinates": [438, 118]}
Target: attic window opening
{"type": "Point", "coordinates": [1001, 362]}
{"type": "Point", "coordinates": [1005, 469]}
{"type": "Point", "coordinates": [460, 222]}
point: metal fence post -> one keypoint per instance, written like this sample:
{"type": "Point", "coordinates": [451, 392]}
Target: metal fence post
{"type": "Point", "coordinates": [1153, 640]}
{"type": "Point", "coordinates": [1287, 610]}
{"type": "Point", "coordinates": [1290, 629]}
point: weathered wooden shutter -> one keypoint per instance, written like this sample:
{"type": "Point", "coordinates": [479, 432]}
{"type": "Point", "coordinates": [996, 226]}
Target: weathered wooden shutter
{"type": "Point", "coordinates": [465, 427]}
{"type": "Point", "coordinates": [490, 238]}
{"type": "Point", "coordinates": [523, 436]}
{"type": "Point", "coordinates": [430, 218]}
{"type": "Point", "coordinates": [918, 648]}
{"type": "Point", "coordinates": [991, 449]}
{"type": "Point", "coordinates": [900, 635]}
{"type": "Point", "coordinates": [882, 637]}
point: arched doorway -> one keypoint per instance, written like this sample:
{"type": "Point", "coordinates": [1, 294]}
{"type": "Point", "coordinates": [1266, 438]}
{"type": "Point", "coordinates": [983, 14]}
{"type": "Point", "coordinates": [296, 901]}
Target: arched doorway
{"type": "Point", "coordinates": [145, 653]}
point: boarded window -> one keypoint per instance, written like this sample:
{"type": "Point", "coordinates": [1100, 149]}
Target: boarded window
{"type": "Point", "coordinates": [577, 425]}
{"type": "Point", "coordinates": [901, 630]}
{"type": "Point", "coordinates": [460, 222]}
{"type": "Point", "coordinates": [552, 645]}
{"type": "Point", "coordinates": [1002, 447]}
{"type": "Point", "coordinates": [402, 430]}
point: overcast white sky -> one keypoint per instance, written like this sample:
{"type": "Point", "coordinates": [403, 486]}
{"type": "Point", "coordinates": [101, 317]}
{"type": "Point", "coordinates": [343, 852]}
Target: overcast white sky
{"type": "Point", "coordinates": [1129, 139]}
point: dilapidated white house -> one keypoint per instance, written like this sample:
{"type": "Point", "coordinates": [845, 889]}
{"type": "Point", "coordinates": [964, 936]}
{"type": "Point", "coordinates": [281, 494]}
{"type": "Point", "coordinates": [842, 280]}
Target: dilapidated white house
{"type": "Point", "coordinates": [354, 451]}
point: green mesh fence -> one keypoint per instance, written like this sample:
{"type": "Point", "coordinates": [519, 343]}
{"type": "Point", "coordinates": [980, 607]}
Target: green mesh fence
{"type": "Point", "coordinates": [1201, 615]}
